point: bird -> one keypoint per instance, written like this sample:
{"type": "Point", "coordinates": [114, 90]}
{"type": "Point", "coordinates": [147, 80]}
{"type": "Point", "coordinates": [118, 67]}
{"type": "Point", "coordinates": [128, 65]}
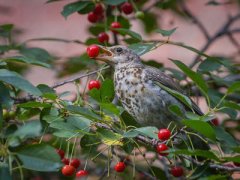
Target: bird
{"type": "Point", "coordinates": [143, 90]}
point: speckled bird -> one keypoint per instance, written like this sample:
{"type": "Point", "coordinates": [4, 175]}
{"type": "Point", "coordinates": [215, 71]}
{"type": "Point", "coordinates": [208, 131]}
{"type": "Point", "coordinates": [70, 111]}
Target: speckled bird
{"type": "Point", "coordinates": [140, 88]}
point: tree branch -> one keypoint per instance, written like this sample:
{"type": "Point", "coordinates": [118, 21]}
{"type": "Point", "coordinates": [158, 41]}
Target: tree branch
{"type": "Point", "coordinates": [195, 20]}
{"type": "Point", "coordinates": [223, 31]}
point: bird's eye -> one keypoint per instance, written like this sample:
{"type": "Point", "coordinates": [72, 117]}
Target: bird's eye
{"type": "Point", "coordinates": [119, 50]}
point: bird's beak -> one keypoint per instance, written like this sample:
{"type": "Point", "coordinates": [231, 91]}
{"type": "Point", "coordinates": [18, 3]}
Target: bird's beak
{"type": "Point", "coordinates": [105, 55]}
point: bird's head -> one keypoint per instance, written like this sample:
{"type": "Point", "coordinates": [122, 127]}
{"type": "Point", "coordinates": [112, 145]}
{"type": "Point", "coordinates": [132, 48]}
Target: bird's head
{"type": "Point", "coordinates": [118, 56]}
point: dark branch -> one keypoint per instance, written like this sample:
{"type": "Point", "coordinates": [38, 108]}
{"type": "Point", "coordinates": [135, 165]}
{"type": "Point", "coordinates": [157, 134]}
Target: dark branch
{"type": "Point", "coordinates": [224, 30]}
{"type": "Point", "coordinates": [195, 20]}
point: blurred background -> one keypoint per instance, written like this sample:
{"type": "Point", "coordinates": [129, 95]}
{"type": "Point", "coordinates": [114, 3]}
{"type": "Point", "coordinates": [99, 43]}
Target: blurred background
{"type": "Point", "coordinates": [38, 19]}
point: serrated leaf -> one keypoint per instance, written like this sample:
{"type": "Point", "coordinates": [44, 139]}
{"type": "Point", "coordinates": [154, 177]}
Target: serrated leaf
{"type": "Point", "coordinates": [201, 153]}
{"type": "Point", "coordinates": [29, 130]}
{"type": "Point", "coordinates": [166, 32]}
{"type": "Point", "coordinates": [113, 3]}
{"type": "Point", "coordinates": [233, 158]}
{"type": "Point", "coordinates": [234, 87]}
{"type": "Point", "coordinates": [184, 99]}
{"type": "Point", "coordinates": [74, 7]}
{"type": "Point", "coordinates": [142, 48]}
{"type": "Point", "coordinates": [197, 78]}
{"type": "Point", "coordinates": [107, 91]}
{"type": "Point", "coordinates": [34, 104]}
{"type": "Point", "coordinates": [201, 127]}
{"type": "Point", "coordinates": [18, 81]}
{"type": "Point", "coordinates": [110, 138]}
{"type": "Point", "coordinates": [209, 64]}
{"type": "Point", "coordinates": [84, 112]}
{"type": "Point", "coordinates": [227, 142]}
{"type": "Point", "coordinates": [149, 131]}
{"type": "Point", "coordinates": [26, 60]}
{"type": "Point", "coordinates": [5, 98]}
{"type": "Point", "coordinates": [130, 33]}
{"type": "Point", "coordinates": [39, 157]}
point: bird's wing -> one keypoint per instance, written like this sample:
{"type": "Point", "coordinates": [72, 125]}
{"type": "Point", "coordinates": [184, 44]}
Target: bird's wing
{"type": "Point", "coordinates": [158, 76]}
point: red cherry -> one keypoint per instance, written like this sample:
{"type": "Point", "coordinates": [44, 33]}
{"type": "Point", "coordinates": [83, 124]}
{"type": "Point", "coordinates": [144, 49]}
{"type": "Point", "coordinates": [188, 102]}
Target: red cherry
{"type": "Point", "coordinates": [119, 167]}
{"type": "Point", "coordinates": [60, 152]}
{"type": "Point", "coordinates": [103, 37]}
{"type": "Point", "coordinates": [236, 164]}
{"type": "Point", "coordinates": [215, 122]}
{"type": "Point", "coordinates": [93, 51]}
{"type": "Point", "coordinates": [81, 173]}
{"type": "Point", "coordinates": [65, 161]}
{"type": "Point", "coordinates": [92, 17]}
{"type": "Point", "coordinates": [98, 9]}
{"type": "Point", "coordinates": [75, 163]}
{"type": "Point", "coordinates": [68, 170]}
{"type": "Point", "coordinates": [177, 171]}
{"type": "Point", "coordinates": [127, 8]}
{"type": "Point", "coordinates": [161, 148]}
{"type": "Point", "coordinates": [94, 84]}
{"type": "Point", "coordinates": [115, 25]}
{"type": "Point", "coordinates": [164, 134]}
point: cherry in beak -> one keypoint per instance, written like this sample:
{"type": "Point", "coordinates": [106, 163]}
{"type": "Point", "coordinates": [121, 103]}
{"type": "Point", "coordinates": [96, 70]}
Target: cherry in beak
{"type": "Point", "coordinates": [105, 54]}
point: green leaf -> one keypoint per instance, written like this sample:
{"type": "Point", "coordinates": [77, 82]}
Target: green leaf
{"type": "Point", "coordinates": [176, 110]}
{"type": "Point", "coordinates": [84, 112]}
{"type": "Point", "coordinates": [184, 99]}
{"type": "Point", "coordinates": [30, 129]}
{"type": "Point", "coordinates": [109, 107]}
{"type": "Point", "coordinates": [227, 142]}
{"type": "Point", "coordinates": [215, 177]}
{"type": "Point", "coordinates": [202, 127]}
{"type": "Point", "coordinates": [34, 104]}
{"type": "Point", "coordinates": [64, 134]}
{"type": "Point", "coordinates": [159, 173]}
{"type": "Point", "coordinates": [149, 131]}
{"type": "Point", "coordinates": [201, 153]}
{"type": "Point", "coordinates": [26, 60]}
{"type": "Point", "coordinates": [197, 78]}
{"type": "Point", "coordinates": [234, 87]}
{"type": "Point", "coordinates": [39, 157]}
{"type": "Point", "coordinates": [5, 98]}
{"type": "Point", "coordinates": [130, 33]}
{"type": "Point", "coordinates": [113, 2]}
{"type": "Point", "coordinates": [233, 158]}
{"type": "Point", "coordinates": [81, 123]}
{"type": "Point", "coordinates": [5, 171]}
{"type": "Point", "coordinates": [109, 137]}
{"type": "Point", "coordinates": [209, 64]}
{"type": "Point", "coordinates": [166, 32]}
{"type": "Point", "coordinates": [232, 105]}
{"type": "Point", "coordinates": [153, 63]}
{"type": "Point", "coordinates": [37, 55]}
{"type": "Point", "coordinates": [149, 21]}
{"type": "Point", "coordinates": [95, 94]}
{"type": "Point", "coordinates": [16, 80]}
{"type": "Point", "coordinates": [74, 7]}
{"type": "Point", "coordinates": [5, 30]}
{"type": "Point", "coordinates": [1, 116]}
{"type": "Point", "coordinates": [142, 48]}
{"type": "Point", "coordinates": [107, 90]}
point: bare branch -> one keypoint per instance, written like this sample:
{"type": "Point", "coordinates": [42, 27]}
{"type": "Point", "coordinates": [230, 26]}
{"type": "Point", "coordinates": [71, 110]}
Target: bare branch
{"type": "Point", "coordinates": [195, 20]}
{"type": "Point", "coordinates": [78, 77]}
{"type": "Point", "coordinates": [224, 30]}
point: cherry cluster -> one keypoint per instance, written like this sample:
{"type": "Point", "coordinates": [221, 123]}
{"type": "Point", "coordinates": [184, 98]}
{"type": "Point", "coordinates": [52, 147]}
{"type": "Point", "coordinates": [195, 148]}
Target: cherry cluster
{"type": "Point", "coordinates": [98, 14]}
{"type": "Point", "coordinates": [71, 166]}
{"type": "Point", "coordinates": [163, 135]}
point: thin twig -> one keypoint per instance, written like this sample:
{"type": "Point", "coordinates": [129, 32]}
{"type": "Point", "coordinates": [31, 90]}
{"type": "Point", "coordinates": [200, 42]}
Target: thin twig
{"type": "Point", "coordinates": [78, 77]}
{"type": "Point", "coordinates": [195, 20]}
{"type": "Point", "coordinates": [224, 30]}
